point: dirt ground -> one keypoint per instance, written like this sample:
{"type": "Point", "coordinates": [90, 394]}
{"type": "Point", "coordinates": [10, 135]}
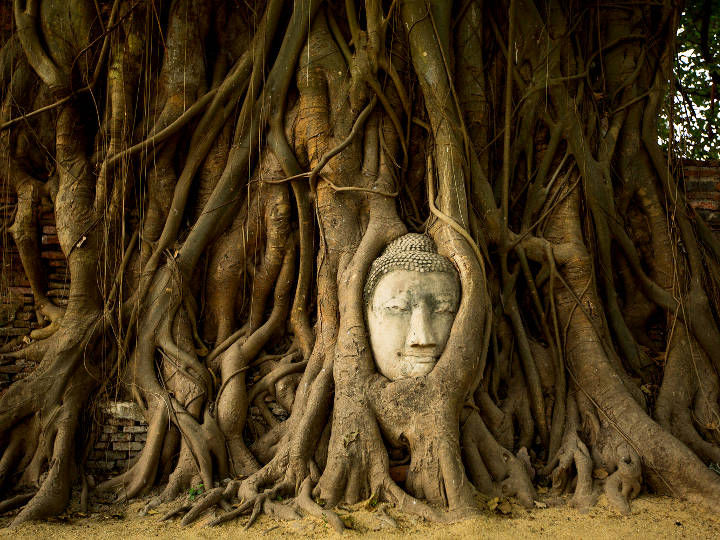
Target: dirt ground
{"type": "Point", "coordinates": [651, 517]}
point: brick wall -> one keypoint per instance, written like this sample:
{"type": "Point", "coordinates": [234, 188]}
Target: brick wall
{"type": "Point", "coordinates": [121, 430]}
{"type": "Point", "coordinates": [702, 183]}
{"type": "Point", "coordinates": [17, 314]}
{"type": "Point", "coordinates": [123, 433]}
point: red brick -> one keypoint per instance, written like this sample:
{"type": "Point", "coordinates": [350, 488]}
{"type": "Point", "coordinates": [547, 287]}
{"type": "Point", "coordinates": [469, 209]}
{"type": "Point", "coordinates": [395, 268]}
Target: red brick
{"type": "Point", "coordinates": [11, 369]}
{"type": "Point", "coordinates": [131, 446]}
{"type": "Point", "coordinates": [13, 331]}
{"type": "Point", "coordinates": [49, 240]}
{"type": "Point", "coordinates": [101, 465]}
{"type": "Point", "coordinates": [120, 422]}
{"type": "Point", "coordinates": [135, 430]}
{"type": "Point", "coordinates": [20, 291]}
{"type": "Point", "coordinates": [55, 255]}
{"type": "Point", "coordinates": [704, 205]}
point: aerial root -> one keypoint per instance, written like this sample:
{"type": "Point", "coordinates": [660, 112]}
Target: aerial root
{"type": "Point", "coordinates": [385, 518]}
{"type": "Point", "coordinates": [229, 516]}
{"type": "Point", "coordinates": [257, 508]}
{"type": "Point", "coordinates": [493, 468]}
{"type": "Point", "coordinates": [409, 504]}
{"type": "Point", "coordinates": [624, 484]}
{"type": "Point", "coordinates": [211, 498]}
{"type": "Point", "coordinates": [255, 505]}
{"type": "Point", "coordinates": [151, 505]}
{"type": "Point", "coordinates": [573, 452]}
{"type": "Point", "coordinates": [35, 351]}
{"type": "Point", "coordinates": [178, 510]}
{"type": "Point", "coordinates": [309, 506]}
{"type": "Point", "coordinates": [285, 512]}
{"type": "Point", "coordinates": [15, 502]}
{"type": "Point", "coordinates": [52, 313]}
{"type": "Point", "coordinates": [187, 364]}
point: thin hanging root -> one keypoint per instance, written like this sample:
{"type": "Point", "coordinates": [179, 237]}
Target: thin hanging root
{"type": "Point", "coordinates": [306, 504]}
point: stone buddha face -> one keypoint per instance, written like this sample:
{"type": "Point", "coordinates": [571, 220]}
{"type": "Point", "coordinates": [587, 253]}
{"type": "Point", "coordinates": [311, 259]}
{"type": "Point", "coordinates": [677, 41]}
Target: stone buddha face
{"type": "Point", "coordinates": [411, 296]}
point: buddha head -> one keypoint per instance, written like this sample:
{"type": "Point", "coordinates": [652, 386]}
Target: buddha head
{"type": "Point", "coordinates": [411, 296]}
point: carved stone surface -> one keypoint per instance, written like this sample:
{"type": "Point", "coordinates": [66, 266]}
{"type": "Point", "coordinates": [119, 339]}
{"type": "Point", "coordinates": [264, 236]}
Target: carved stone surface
{"type": "Point", "coordinates": [411, 296]}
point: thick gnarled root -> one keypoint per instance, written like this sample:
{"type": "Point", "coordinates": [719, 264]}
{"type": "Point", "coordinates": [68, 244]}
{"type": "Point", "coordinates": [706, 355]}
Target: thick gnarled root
{"type": "Point", "coordinates": [687, 404]}
{"type": "Point", "coordinates": [49, 312]}
{"type": "Point", "coordinates": [573, 457]}
{"type": "Point", "coordinates": [612, 458]}
{"type": "Point", "coordinates": [492, 468]}
{"type": "Point", "coordinates": [623, 462]}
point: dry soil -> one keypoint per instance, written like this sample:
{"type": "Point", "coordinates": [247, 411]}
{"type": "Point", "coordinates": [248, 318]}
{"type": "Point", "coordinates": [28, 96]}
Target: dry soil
{"type": "Point", "coordinates": [650, 517]}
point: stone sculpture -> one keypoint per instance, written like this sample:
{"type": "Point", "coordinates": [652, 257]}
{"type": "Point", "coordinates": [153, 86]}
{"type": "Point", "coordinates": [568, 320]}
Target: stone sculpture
{"type": "Point", "coordinates": [411, 296]}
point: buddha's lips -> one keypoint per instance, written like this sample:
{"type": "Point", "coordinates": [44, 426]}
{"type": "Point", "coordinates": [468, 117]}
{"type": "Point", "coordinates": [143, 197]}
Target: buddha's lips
{"type": "Point", "coordinates": [423, 359]}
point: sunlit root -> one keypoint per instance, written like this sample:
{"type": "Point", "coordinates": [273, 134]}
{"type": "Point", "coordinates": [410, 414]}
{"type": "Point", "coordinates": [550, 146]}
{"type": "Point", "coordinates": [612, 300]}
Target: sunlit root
{"type": "Point", "coordinates": [493, 469]}
{"type": "Point", "coordinates": [687, 404]}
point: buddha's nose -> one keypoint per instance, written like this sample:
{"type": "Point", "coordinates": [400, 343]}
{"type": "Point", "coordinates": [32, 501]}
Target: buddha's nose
{"type": "Point", "coordinates": [421, 333]}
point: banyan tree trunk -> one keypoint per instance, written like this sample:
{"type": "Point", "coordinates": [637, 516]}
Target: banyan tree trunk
{"type": "Point", "coordinates": [223, 176]}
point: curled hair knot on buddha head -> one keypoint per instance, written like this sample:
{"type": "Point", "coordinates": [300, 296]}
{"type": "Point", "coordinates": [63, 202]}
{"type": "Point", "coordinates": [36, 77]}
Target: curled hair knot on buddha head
{"type": "Point", "coordinates": [413, 252]}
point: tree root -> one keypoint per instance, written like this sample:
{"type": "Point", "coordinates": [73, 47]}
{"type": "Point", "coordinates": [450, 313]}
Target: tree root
{"type": "Point", "coordinates": [624, 484]}
{"type": "Point", "coordinates": [305, 502]}
{"type": "Point", "coordinates": [572, 452]}
{"type": "Point", "coordinates": [211, 498]}
{"type": "Point", "coordinates": [15, 502]}
{"type": "Point", "coordinates": [687, 404]}
{"type": "Point", "coordinates": [469, 424]}
{"type": "Point", "coordinates": [493, 469]}
{"type": "Point", "coordinates": [52, 313]}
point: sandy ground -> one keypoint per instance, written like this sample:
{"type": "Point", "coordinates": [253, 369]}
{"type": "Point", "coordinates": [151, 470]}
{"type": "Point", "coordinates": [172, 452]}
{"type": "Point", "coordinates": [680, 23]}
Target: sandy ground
{"type": "Point", "coordinates": [651, 517]}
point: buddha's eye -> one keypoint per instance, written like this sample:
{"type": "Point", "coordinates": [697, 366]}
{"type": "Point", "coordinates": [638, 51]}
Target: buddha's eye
{"type": "Point", "coordinates": [395, 307]}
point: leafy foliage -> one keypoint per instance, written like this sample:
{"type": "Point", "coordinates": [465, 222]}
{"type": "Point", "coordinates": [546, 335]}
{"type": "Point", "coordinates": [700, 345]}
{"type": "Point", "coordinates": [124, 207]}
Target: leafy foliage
{"type": "Point", "coordinates": [691, 119]}
{"type": "Point", "coordinates": [196, 491]}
